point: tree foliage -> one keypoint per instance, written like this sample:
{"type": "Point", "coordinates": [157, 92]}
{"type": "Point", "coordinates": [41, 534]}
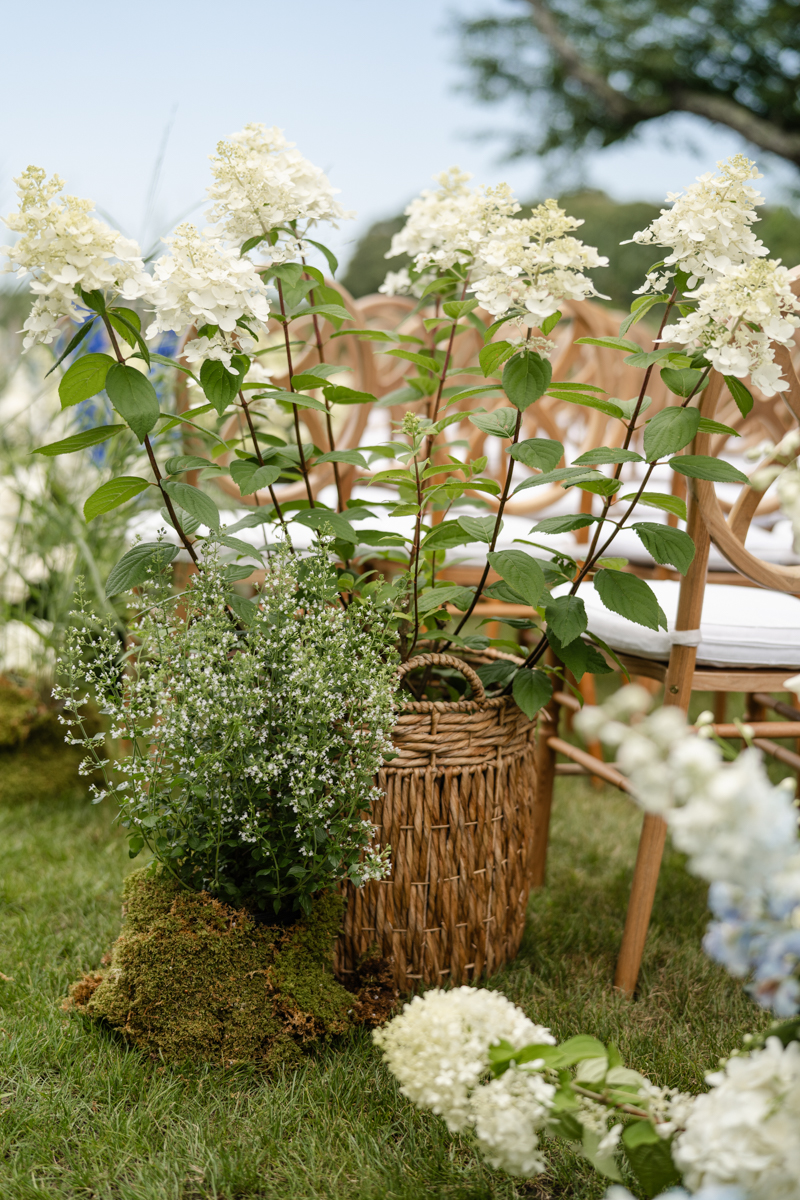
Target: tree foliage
{"type": "Point", "coordinates": [594, 71]}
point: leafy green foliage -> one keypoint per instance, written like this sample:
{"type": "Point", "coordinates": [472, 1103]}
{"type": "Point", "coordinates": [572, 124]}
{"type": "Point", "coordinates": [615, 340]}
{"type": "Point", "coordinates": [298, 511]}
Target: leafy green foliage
{"type": "Point", "coordinates": [134, 398]}
{"type": "Point", "coordinates": [521, 572]}
{"type": "Point", "coordinates": [80, 441]}
{"type": "Point", "coordinates": [112, 494]}
{"type": "Point", "coordinates": [630, 597]}
{"type": "Point", "coordinates": [541, 453]}
{"type": "Point", "coordinates": [566, 616]}
{"type": "Point", "coordinates": [500, 423]}
{"type": "Point", "coordinates": [578, 656]}
{"type": "Point", "coordinates": [669, 431]}
{"type": "Point", "coordinates": [219, 385]}
{"type": "Point", "coordinates": [531, 690]}
{"type": "Point", "coordinates": [731, 65]}
{"type": "Point", "coordinates": [193, 501]}
{"type": "Point", "coordinates": [670, 547]}
{"type": "Point", "coordinates": [650, 1158]}
{"type": "Point", "coordinates": [741, 394]}
{"type": "Point", "coordinates": [526, 378]}
{"type": "Point", "coordinates": [703, 466]}
{"type": "Point", "coordinates": [84, 379]}
{"type": "Point", "coordinates": [135, 566]}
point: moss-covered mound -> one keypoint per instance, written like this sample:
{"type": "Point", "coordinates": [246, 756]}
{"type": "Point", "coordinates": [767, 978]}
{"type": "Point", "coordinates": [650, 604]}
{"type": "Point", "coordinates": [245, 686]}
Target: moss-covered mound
{"type": "Point", "coordinates": [191, 978]}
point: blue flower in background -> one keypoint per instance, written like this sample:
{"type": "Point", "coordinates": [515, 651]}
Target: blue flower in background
{"type": "Point", "coordinates": [98, 410]}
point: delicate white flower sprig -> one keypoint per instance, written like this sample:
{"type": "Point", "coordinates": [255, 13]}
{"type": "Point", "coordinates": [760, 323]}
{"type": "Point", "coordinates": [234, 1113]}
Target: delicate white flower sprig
{"type": "Point", "coordinates": [255, 744]}
{"type": "Point", "coordinates": [708, 229]}
{"type": "Point", "coordinates": [262, 183]}
{"type": "Point", "coordinates": [738, 830]}
{"type": "Point", "coordinates": [739, 313]}
{"type": "Point", "coordinates": [63, 246]}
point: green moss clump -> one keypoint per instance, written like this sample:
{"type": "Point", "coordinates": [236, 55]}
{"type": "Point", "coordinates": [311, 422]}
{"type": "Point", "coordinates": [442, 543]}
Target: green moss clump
{"type": "Point", "coordinates": [190, 977]}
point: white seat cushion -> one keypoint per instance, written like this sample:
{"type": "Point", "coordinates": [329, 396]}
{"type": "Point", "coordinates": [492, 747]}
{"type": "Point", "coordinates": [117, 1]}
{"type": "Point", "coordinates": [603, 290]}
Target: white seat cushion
{"type": "Point", "coordinates": [740, 626]}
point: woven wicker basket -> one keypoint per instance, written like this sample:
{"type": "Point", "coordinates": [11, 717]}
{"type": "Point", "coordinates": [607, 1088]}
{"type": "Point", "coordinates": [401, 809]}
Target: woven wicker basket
{"type": "Point", "coordinates": [457, 810]}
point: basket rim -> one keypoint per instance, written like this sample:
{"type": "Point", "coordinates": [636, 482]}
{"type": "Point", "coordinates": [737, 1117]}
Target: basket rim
{"type": "Point", "coordinates": [464, 706]}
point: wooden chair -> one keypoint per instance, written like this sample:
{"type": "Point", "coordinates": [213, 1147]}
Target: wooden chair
{"type": "Point", "coordinates": [681, 673]}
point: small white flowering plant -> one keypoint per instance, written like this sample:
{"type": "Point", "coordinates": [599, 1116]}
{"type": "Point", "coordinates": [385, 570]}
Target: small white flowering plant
{"type": "Point", "coordinates": [254, 739]}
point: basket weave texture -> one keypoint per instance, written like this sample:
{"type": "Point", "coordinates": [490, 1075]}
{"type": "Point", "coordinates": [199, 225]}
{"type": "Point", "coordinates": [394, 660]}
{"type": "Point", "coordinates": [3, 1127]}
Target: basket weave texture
{"type": "Point", "coordinates": [457, 811]}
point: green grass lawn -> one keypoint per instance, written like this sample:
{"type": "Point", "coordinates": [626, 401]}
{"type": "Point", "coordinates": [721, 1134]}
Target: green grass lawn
{"type": "Point", "coordinates": [83, 1116]}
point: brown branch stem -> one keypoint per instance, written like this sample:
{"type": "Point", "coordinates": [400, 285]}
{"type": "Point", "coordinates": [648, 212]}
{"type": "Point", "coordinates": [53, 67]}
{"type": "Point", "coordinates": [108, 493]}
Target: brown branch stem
{"type": "Point", "coordinates": [303, 464]}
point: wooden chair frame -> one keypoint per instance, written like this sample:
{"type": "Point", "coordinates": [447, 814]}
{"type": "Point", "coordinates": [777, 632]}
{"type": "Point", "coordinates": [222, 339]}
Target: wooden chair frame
{"type": "Point", "coordinates": [681, 676]}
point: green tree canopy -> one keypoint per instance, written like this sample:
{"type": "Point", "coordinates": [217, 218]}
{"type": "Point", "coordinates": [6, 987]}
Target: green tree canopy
{"type": "Point", "coordinates": [591, 72]}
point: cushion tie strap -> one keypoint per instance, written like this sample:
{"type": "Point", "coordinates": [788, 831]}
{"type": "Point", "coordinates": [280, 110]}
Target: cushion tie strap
{"type": "Point", "coordinates": [685, 637]}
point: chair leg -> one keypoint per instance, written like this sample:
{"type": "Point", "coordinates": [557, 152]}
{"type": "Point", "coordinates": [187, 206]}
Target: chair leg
{"type": "Point", "coordinates": [640, 905]}
{"type": "Point", "coordinates": [587, 689]}
{"type": "Point", "coordinates": [545, 780]}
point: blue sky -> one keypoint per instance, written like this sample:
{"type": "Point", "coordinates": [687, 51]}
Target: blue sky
{"type": "Point", "coordinates": [366, 89]}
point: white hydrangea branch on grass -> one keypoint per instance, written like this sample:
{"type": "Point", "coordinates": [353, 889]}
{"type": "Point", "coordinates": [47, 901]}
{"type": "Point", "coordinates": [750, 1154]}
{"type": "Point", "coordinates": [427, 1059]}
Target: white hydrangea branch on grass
{"type": "Point", "coordinates": [63, 246]}
{"type": "Point", "coordinates": [460, 1055]}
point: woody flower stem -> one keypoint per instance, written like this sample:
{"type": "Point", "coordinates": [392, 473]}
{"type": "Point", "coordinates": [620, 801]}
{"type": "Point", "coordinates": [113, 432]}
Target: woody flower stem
{"type": "Point", "coordinates": [415, 554]}
{"type": "Point", "coordinates": [151, 456]}
{"type": "Point", "coordinates": [259, 456]}
{"type": "Point", "coordinates": [631, 427]}
{"type": "Point", "coordinates": [496, 533]}
{"type": "Point", "coordinates": [447, 357]}
{"type": "Point", "coordinates": [331, 444]}
{"type": "Point", "coordinates": [303, 465]}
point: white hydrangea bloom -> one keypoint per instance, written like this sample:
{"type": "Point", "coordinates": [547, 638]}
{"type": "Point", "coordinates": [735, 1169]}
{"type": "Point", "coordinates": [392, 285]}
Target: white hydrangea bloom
{"type": "Point", "coordinates": [710, 1192]}
{"type": "Point", "coordinates": [745, 1130]}
{"type": "Point", "coordinates": [535, 263]}
{"type": "Point", "coordinates": [261, 181]}
{"type": "Point", "coordinates": [707, 230]}
{"type": "Point", "coordinates": [63, 245]}
{"type": "Point", "coordinates": [448, 225]}
{"type": "Point", "coordinates": [205, 282]}
{"type": "Point", "coordinates": [400, 283]}
{"type": "Point", "coordinates": [508, 1114]}
{"type": "Point", "coordinates": [758, 293]}
{"type": "Point", "coordinates": [438, 1046]}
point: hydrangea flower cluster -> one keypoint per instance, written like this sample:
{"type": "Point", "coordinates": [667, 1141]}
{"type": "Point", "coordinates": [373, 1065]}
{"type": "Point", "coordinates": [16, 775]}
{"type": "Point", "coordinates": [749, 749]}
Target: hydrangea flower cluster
{"type": "Point", "coordinates": [518, 267]}
{"type": "Point", "coordinates": [448, 226]}
{"type": "Point", "coordinates": [744, 1130]}
{"type": "Point", "coordinates": [203, 281]}
{"type": "Point", "coordinates": [63, 245]}
{"type": "Point", "coordinates": [438, 1049]}
{"type": "Point", "coordinates": [758, 294]}
{"type": "Point", "coordinates": [262, 183]}
{"type": "Point", "coordinates": [708, 229]}
{"type": "Point", "coordinates": [738, 830]}
{"type": "Point", "coordinates": [535, 264]}
{"type": "Point", "coordinates": [255, 742]}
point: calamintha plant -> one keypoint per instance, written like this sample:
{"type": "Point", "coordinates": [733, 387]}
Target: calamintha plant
{"type": "Point", "coordinates": [254, 742]}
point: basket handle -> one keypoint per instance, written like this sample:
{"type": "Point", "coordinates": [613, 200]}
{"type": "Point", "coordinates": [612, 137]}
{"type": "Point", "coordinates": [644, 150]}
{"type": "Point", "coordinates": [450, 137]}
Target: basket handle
{"type": "Point", "coordinates": [445, 660]}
